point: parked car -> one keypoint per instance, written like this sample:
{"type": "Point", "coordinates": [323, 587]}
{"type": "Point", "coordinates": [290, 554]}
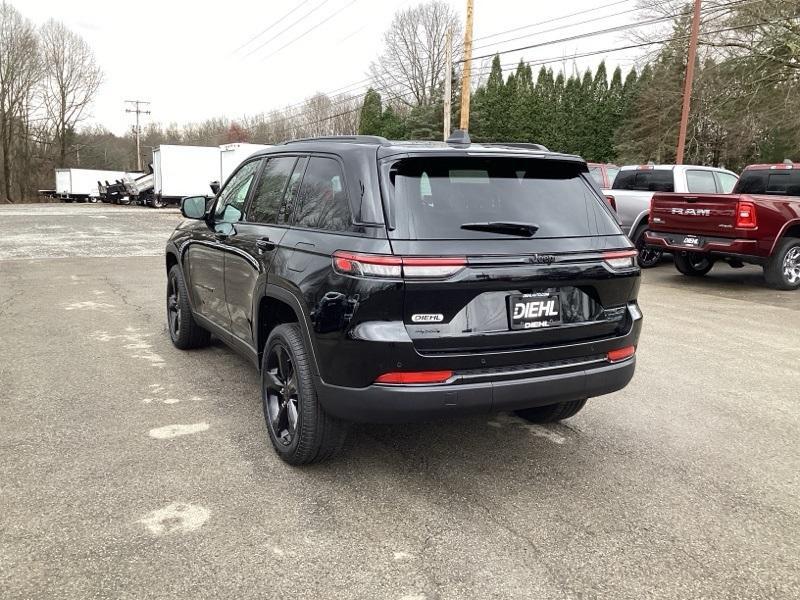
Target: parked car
{"type": "Point", "coordinates": [383, 281]}
{"type": "Point", "coordinates": [759, 223]}
{"type": "Point", "coordinates": [603, 173]}
{"type": "Point", "coordinates": [634, 186]}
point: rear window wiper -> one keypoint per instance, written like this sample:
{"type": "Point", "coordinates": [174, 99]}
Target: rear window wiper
{"type": "Point", "coordinates": [509, 227]}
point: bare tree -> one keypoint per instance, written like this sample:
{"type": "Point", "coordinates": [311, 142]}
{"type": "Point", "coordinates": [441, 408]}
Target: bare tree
{"type": "Point", "coordinates": [72, 78]}
{"type": "Point", "coordinates": [19, 69]}
{"type": "Point", "coordinates": [412, 66]}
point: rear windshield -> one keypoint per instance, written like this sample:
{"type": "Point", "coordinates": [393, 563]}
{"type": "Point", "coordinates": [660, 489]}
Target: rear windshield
{"type": "Point", "coordinates": [432, 197]}
{"type": "Point", "coordinates": [773, 182]}
{"type": "Point", "coordinates": [645, 180]}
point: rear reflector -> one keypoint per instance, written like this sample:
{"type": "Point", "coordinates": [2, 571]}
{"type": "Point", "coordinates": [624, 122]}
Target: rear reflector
{"type": "Point", "coordinates": [612, 202]}
{"type": "Point", "coordinates": [410, 377]}
{"type": "Point", "coordinates": [745, 215]}
{"type": "Point", "coordinates": [622, 259]}
{"type": "Point", "coordinates": [380, 265]}
{"type": "Point", "coordinates": [621, 354]}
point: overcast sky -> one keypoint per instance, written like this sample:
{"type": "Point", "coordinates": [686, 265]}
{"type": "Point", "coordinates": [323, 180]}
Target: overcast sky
{"type": "Point", "coordinates": [185, 56]}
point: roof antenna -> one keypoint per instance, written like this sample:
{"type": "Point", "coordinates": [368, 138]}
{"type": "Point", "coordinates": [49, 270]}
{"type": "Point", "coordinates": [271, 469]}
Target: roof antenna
{"type": "Point", "coordinates": [459, 138]}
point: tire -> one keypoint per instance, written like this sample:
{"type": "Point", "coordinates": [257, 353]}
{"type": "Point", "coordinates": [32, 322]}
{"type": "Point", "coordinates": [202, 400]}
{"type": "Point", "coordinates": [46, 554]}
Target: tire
{"type": "Point", "coordinates": [648, 257]}
{"type": "Point", "coordinates": [552, 412]}
{"type": "Point", "coordinates": [157, 203]}
{"type": "Point", "coordinates": [183, 329]}
{"type": "Point", "coordinates": [314, 436]}
{"type": "Point", "coordinates": [782, 271]}
{"type": "Point", "coordinates": [693, 264]}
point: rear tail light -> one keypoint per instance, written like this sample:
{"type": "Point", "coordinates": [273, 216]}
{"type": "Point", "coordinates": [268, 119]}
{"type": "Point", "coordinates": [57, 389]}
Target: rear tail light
{"type": "Point", "coordinates": [412, 377]}
{"type": "Point", "coordinates": [621, 354]}
{"type": "Point", "coordinates": [745, 215]}
{"type": "Point", "coordinates": [612, 202]}
{"type": "Point", "coordinates": [377, 265]}
{"type": "Point", "coordinates": [620, 260]}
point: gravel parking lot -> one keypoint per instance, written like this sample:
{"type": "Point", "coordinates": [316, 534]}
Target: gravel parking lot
{"type": "Point", "coordinates": [129, 469]}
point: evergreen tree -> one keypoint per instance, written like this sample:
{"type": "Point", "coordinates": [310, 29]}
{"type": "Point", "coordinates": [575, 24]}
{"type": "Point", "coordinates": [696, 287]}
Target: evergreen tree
{"type": "Point", "coordinates": [370, 122]}
{"type": "Point", "coordinates": [392, 126]}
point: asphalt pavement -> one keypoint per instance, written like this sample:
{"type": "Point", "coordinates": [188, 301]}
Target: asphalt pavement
{"type": "Point", "coordinates": [130, 469]}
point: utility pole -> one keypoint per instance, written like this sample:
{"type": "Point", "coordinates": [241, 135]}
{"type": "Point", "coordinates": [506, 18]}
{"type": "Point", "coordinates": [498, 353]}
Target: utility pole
{"type": "Point", "coordinates": [448, 81]}
{"type": "Point", "coordinates": [687, 85]}
{"type": "Point", "coordinates": [467, 74]}
{"type": "Point", "coordinates": [137, 131]}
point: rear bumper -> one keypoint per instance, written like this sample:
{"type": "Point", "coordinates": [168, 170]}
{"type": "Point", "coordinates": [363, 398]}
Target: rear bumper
{"type": "Point", "coordinates": [396, 403]}
{"type": "Point", "coordinates": [747, 250]}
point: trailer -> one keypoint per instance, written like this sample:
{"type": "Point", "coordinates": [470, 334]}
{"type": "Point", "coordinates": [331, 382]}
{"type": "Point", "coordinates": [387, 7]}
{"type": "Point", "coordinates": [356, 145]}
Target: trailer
{"type": "Point", "coordinates": [231, 156]}
{"type": "Point", "coordinates": [180, 171]}
{"type": "Point", "coordinates": [82, 185]}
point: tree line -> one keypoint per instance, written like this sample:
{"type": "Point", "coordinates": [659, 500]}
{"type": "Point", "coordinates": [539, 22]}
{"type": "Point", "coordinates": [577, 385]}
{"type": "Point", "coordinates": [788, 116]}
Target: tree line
{"type": "Point", "coordinates": [745, 101]}
{"type": "Point", "coordinates": [48, 79]}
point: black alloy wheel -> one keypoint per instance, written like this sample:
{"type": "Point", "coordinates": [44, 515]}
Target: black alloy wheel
{"type": "Point", "coordinates": [281, 395]}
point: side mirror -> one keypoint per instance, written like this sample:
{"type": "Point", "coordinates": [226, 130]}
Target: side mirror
{"type": "Point", "coordinates": [214, 187]}
{"type": "Point", "coordinates": [193, 207]}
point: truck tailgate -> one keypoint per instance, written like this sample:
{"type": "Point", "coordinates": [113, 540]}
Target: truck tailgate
{"type": "Point", "coordinates": [703, 214]}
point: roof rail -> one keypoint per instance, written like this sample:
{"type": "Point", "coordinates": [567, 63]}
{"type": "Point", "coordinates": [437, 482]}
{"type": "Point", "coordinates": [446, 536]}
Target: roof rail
{"type": "Point", "coordinates": [343, 139]}
{"type": "Point", "coordinates": [525, 145]}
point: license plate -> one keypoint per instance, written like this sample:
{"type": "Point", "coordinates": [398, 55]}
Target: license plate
{"type": "Point", "coordinates": [692, 241]}
{"type": "Point", "coordinates": [533, 311]}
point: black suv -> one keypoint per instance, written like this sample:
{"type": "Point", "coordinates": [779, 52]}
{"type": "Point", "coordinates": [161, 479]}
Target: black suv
{"type": "Point", "coordinates": [384, 281]}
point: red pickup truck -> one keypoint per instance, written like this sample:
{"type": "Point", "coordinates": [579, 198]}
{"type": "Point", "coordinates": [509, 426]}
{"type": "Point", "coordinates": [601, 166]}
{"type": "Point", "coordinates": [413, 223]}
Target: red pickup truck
{"type": "Point", "coordinates": [758, 223]}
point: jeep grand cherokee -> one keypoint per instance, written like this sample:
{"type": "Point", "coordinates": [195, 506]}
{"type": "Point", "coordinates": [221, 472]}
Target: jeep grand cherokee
{"type": "Point", "coordinates": [384, 281]}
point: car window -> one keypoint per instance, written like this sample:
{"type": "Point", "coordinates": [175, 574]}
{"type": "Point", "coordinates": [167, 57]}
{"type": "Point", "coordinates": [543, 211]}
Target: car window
{"type": "Point", "coordinates": [266, 206]}
{"type": "Point", "coordinates": [322, 199]}
{"type": "Point", "coordinates": [230, 205]}
{"type": "Point", "coordinates": [612, 174]}
{"type": "Point", "coordinates": [434, 197]}
{"type": "Point", "coordinates": [645, 180]}
{"type": "Point", "coordinates": [597, 175]}
{"type": "Point", "coordinates": [700, 182]}
{"type": "Point", "coordinates": [762, 181]}
{"type": "Point", "coordinates": [726, 182]}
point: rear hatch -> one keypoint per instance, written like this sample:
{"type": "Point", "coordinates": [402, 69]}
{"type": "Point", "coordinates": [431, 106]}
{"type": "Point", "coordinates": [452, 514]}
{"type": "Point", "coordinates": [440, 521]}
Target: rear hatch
{"type": "Point", "coordinates": [527, 242]}
{"type": "Point", "coordinates": [696, 214]}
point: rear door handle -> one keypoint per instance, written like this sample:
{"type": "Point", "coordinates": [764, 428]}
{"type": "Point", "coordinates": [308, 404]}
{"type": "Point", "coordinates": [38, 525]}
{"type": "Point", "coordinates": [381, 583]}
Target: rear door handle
{"type": "Point", "coordinates": [264, 243]}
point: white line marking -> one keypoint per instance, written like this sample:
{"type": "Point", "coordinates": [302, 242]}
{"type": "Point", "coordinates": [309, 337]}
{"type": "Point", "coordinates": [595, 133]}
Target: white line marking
{"type": "Point", "coordinates": [178, 517]}
{"type": "Point", "coordinates": [88, 305]}
{"type": "Point", "coordinates": [172, 431]}
{"type": "Point", "coordinates": [402, 556]}
{"type": "Point", "coordinates": [414, 597]}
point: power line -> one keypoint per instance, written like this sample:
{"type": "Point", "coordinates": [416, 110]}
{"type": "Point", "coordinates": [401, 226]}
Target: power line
{"type": "Point", "coordinates": [284, 30]}
{"type": "Point", "coordinates": [560, 27]}
{"type": "Point", "coordinates": [575, 14]}
{"type": "Point", "coordinates": [305, 33]}
{"type": "Point", "coordinates": [278, 22]}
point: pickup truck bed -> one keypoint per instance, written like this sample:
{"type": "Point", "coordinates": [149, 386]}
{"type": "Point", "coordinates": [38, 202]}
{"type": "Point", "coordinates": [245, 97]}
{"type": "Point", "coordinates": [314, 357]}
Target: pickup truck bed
{"type": "Point", "coordinates": [738, 228]}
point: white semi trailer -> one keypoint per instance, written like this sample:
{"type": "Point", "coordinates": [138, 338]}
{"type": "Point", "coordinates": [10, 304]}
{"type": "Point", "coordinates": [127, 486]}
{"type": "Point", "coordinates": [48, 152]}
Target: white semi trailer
{"type": "Point", "coordinates": [81, 185]}
{"type": "Point", "coordinates": [231, 155]}
{"type": "Point", "coordinates": [180, 171]}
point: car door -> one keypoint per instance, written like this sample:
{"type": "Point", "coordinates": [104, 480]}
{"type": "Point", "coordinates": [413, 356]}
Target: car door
{"type": "Point", "coordinates": [257, 239]}
{"type": "Point", "coordinates": [206, 255]}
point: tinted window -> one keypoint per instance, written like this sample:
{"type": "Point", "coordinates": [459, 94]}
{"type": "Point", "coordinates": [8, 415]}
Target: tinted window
{"type": "Point", "coordinates": [268, 197]}
{"type": "Point", "coordinates": [701, 182]}
{"type": "Point", "coordinates": [727, 182]}
{"type": "Point", "coordinates": [432, 197]}
{"type": "Point", "coordinates": [230, 204]}
{"type": "Point", "coordinates": [779, 183]}
{"type": "Point", "coordinates": [322, 200]}
{"type": "Point", "coordinates": [645, 180]}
